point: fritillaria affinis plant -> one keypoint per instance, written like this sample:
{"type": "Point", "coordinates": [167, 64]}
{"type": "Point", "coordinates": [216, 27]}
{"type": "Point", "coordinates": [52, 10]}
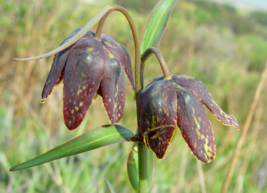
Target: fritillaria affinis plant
{"type": "Point", "coordinates": [93, 63]}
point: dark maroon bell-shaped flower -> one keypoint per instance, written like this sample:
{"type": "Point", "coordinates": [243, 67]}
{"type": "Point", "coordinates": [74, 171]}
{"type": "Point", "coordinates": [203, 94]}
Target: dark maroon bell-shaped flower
{"type": "Point", "coordinates": [88, 67]}
{"type": "Point", "coordinates": [178, 101]}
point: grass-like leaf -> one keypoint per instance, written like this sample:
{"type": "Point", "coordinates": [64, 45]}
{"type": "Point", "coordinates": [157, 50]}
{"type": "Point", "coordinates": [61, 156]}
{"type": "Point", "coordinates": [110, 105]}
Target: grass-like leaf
{"type": "Point", "coordinates": [96, 138]}
{"type": "Point", "coordinates": [132, 167]}
{"type": "Point", "coordinates": [156, 24]}
{"type": "Point", "coordinates": [109, 187]}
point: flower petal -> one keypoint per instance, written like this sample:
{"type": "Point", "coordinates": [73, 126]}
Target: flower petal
{"type": "Point", "coordinates": [157, 115]}
{"type": "Point", "coordinates": [56, 72]}
{"type": "Point", "coordinates": [113, 88]}
{"type": "Point", "coordinates": [82, 75]}
{"type": "Point", "coordinates": [200, 90]}
{"type": "Point", "coordinates": [121, 53]}
{"type": "Point", "coordinates": [194, 124]}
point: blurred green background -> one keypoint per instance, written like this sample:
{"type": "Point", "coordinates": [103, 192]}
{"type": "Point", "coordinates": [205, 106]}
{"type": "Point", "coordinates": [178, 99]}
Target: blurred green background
{"type": "Point", "coordinates": [223, 46]}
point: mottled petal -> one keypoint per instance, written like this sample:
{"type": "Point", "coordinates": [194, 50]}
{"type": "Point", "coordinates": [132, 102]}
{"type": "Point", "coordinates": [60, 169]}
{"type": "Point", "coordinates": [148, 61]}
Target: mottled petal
{"type": "Point", "coordinates": [56, 72]}
{"type": "Point", "coordinates": [157, 111]}
{"type": "Point", "coordinates": [121, 53]}
{"type": "Point", "coordinates": [200, 90]}
{"type": "Point", "coordinates": [82, 75]}
{"type": "Point", "coordinates": [194, 124]}
{"type": "Point", "coordinates": [113, 88]}
{"type": "Point", "coordinates": [158, 78]}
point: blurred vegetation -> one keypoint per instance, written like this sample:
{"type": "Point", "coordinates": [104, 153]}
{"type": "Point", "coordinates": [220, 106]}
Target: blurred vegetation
{"type": "Point", "coordinates": [216, 43]}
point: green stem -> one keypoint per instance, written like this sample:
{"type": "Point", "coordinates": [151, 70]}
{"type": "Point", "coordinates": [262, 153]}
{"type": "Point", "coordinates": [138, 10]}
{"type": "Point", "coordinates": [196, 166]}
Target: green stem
{"type": "Point", "coordinates": [135, 37]}
{"type": "Point", "coordinates": [163, 65]}
{"type": "Point", "coordinates": [142, 151]}
{"type": "Point", "coordinates": [142, 162]}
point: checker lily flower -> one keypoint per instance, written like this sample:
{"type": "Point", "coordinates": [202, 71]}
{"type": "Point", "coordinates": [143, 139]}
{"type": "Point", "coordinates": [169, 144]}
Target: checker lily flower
{"type": "Point", "coordinates": [178, 101]}
{"type": "Point", "coordinates": [88, 67]}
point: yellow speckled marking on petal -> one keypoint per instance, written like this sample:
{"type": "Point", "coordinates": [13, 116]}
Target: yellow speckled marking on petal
{"type": "Point", "coordinates": [155, 128]}
{"type": "Point", "coordinates": [195, 119]}
{"type": "Point", "coordinates": [79, 90]}
{"type": "Point", "coordinates": [90, 49]}
{"type": "Point", "coordinates": [156, 135]}
{"type": "Point", "coordinates": [198, 133]}
{"type": "Point", "coordinates": [146, 143]}
{"type": "Point", "coordinates": [111, 56]}
{"type": "Point", "coordinates": [208, 150]}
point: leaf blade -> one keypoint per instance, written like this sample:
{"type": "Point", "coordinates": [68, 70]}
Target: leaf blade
{"type": "Point", "coordinates": [96, 138]}
{"type": "Point", "coordinates": [156, 24]}
{"type": "Point", "coordinates": [109, 187]}
{"type": "Point", "coordinates": [132, 168]}
{"type": "Point", "coordinates": [75, 38]}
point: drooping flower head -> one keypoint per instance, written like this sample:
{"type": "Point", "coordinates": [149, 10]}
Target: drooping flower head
{"type": "Point", "coordinates": [178, 101]}
{"type": "Point", "coordinates": [88, 67]}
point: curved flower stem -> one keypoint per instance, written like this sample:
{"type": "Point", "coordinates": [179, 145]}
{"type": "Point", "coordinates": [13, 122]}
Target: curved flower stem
{"type": "Point", "coordinates": [164, 67]}
{"type": "Point", "coordinates": [142, 151]}
{"type": "Point", "coordinates": [101, 24]}
{"type": "Point", "coordinates": [135, 37]}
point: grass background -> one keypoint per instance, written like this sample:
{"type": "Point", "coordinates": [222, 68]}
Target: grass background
{"type": "Point", "coordinates": [224, 47]}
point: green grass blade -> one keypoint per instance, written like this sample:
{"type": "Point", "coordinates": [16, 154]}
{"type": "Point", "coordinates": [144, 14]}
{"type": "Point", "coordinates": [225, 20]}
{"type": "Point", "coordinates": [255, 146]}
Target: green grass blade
{"type": "Point", "coordinates": [156, 24]}
{"type": "Point", "coordinates": [96, 138]}
{"type": "Point", "coordinates": [109, 187]}
{"type": "Point", "coordinates": [74, 39]}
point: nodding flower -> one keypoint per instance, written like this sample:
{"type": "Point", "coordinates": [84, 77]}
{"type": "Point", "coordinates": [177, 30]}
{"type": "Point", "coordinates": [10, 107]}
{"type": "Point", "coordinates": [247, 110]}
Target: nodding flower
{"type": "Point", "coordinates": [90, 66]}
{"type": "Point", "coordinates": [165, 104]}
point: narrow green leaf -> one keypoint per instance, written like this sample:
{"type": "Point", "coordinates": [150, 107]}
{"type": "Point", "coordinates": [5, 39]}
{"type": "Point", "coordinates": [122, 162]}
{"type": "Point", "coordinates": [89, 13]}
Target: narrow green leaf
{"type": "Point", "coordinates": [156, 24]}
{"type": "Point", "coordinates": [75, 38]}
{"type": "Point", "coordinates": [96, 138]}
{"type": "Point", "coordinates": [132, 168]}
{"type": "Point", "coordinates": [109, 187]}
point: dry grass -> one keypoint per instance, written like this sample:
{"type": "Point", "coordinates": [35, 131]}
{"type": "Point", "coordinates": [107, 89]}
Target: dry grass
{"type": "Point", "coordinates": [29, 128]}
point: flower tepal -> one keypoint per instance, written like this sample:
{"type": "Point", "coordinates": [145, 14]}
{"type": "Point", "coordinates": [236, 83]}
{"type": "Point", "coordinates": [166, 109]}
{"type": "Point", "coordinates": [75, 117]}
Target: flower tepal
{"type": "Point", "coordinates": [178, 101]}
{"type": "Point", "coordinates": [88, 67]}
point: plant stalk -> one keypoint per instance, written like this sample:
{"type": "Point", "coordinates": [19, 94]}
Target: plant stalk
{"type": "Point", "coordinates": [163, 65]}
{"type": "Point", "coordinates": [142, 162]}
{"type": "Point", "coordinates": [135, 37]}
{"type": "Point", "coordinates": [142, 151]}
